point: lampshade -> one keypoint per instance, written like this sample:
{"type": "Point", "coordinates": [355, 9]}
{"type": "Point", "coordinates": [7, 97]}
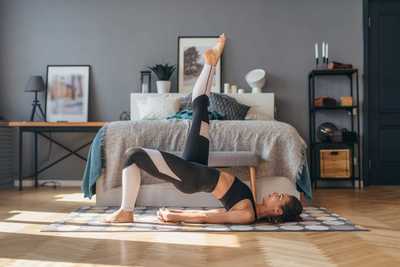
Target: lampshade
{"type": "Point", "coordinates": [256, 79]}
{"type": "Point", "coordinates": [35, 84]}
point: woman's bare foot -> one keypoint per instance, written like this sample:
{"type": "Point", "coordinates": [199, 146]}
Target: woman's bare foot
{"type": "Point", "coordinates": [120, 216]}
{"type": "Point", "coordinates": [212, 55]}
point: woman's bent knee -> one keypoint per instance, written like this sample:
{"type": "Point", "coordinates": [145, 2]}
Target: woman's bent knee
{"type": "Point", "coordinates": [132, 155]}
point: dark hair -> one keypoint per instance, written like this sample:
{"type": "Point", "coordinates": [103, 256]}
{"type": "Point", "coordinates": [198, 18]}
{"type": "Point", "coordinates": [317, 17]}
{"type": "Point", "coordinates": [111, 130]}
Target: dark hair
{"type": "Point", "coordinates": [291, 212]}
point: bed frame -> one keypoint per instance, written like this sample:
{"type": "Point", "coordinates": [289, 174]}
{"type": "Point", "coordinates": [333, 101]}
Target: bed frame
{"type": "Point", "coordinates": [165, 194]}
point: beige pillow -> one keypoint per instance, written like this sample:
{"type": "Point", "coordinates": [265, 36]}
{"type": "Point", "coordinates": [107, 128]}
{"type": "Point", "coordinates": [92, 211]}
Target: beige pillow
{"type": "Point", "coordinates": [256, 113]}
{"type": "Point", "coordinates": [157, 108]}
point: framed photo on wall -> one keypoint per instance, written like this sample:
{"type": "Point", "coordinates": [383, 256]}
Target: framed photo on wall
{"type": "Point", "coordinates": [191, 62]}
{"type": "Point", "coordinates": [67, 94]}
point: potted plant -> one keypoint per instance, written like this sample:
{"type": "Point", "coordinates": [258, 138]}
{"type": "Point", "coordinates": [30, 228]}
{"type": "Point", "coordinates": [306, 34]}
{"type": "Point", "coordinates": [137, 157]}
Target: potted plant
{"type": "Point", "coordinates": [163, 73]}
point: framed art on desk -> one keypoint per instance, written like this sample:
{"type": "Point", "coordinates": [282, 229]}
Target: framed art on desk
{"type": "Point", "coordinates": [67, 94]}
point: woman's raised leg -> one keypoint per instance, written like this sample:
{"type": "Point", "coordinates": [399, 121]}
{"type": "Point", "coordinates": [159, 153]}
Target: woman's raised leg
{"type": "Point", "coordinates": [197, 144]}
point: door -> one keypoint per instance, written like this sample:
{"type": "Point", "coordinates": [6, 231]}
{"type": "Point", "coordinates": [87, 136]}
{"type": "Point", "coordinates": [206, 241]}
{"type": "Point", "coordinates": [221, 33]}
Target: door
{"type": "Point", "coordinates": [383, 92]}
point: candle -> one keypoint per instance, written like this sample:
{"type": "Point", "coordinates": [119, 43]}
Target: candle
{"type": "Point", "coordinates": [323, 51]}
{"type": "Point", "coordinates": [316, 50]}
{"type": "Point", "coordinates": [226, 88]}
{"type": "Point", "coordinates": [234, 89]}
{"type": "Point", "coordinates": [145, 88]}
{"type": "Point", "coordinates": [326, 52]}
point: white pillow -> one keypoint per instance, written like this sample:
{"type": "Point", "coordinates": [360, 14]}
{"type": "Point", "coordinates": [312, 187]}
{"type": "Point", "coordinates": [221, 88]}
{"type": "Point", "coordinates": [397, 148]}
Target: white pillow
{"type": "Point", "coordinates": [157, 108]}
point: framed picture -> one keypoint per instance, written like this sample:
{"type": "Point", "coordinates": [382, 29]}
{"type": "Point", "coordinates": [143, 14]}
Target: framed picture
{"type": "Point", "coordinates": [67, 94]}
{"type": "Point", "coordinates": [191, 62]}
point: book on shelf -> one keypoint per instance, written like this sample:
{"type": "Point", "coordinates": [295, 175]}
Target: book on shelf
{"type": "Point", "coordinates": [334, 65]}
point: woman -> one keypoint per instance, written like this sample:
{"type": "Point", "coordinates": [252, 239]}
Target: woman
{"type": "Point", "coordinates": [191, 174]}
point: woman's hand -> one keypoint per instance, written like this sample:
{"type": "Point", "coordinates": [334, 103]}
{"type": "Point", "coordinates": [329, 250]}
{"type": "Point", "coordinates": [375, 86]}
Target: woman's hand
{"type": "Point", "coordinates": [165, 215]}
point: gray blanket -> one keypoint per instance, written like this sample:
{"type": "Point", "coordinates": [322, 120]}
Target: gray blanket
{"type": "Point", "coordinates": [281, 149]}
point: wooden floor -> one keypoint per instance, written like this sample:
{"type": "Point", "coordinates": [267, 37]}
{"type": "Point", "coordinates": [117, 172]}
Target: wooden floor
{"type": "Point", "coordinates": [23, 214]}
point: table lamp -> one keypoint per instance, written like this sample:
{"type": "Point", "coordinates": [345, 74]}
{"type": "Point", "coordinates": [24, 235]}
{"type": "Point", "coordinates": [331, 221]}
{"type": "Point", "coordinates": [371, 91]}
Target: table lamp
{"type": "Point", "coordinates": [256, 80]}
{"type": "Point", "coordinates": [36, 85]}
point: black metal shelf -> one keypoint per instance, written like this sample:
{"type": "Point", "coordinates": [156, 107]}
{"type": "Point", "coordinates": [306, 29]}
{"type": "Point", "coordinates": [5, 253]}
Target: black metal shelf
{"type": "Point", "coordinates": [316, 145]}
{"type": "Point", "coordinates": [349, 108]}
{"type": "Point", "coordinates": [334, 143]}
{"type": "Point", "coordinates": [332, 72]}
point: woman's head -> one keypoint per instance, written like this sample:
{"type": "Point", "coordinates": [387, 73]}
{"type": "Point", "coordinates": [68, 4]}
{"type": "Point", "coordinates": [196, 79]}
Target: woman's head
{"type": "Point", "coordinates": [280, 207]}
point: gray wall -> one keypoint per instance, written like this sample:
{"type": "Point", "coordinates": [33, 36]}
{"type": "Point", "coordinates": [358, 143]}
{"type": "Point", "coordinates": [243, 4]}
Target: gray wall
{"type": "Point", "coordinates": [120, 37]}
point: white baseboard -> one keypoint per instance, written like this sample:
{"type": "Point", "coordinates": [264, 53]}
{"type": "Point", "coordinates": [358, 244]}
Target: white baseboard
{"type": "Point", "coordinates": [62, 183]}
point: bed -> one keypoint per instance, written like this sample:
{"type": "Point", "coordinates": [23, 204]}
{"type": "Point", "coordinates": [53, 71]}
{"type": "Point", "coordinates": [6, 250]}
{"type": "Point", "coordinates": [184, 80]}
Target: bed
{"type": "Point", "coordinates": [283, 165]}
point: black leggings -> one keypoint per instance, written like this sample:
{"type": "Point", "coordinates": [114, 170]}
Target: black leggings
{"type": "Point", "coordinates": [189, 174]}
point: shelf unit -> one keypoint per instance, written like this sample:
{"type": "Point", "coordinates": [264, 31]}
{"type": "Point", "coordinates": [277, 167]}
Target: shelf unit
{"type": "Point", "coordinates": [352, 113]}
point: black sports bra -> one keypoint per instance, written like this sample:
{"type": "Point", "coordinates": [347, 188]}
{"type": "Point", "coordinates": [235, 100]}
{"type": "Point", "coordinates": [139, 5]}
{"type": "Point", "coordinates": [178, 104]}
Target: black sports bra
{"type": "Point", "coordinates": [237, 192]}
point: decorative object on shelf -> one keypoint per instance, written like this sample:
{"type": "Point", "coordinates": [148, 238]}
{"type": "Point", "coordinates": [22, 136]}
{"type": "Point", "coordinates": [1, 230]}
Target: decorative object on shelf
{"type": "Point", "coordinates": [190, 62]}
{"type": "Point", "coordinates": [326, 131]}
{"type": "Point", "coordinates": [234, 89]}
{"type": "Point", "coordinates": [36, 85]}
{"type": "Point", "coordinates": [316, 56]}
{"type": "Point", "coordinates": [346, 101]}
{"type": "Point", "coordinates": [335, 163]}
{"type": "Point", "coordinates": [337, 65]}
{"type": "Point", "coordinates": [325, 57]}
{"type": "Point", "coordinates": [227, 88]}
{"type": "Point", "coordinates": [163, 73]}
{"type": "Point", "coordinates": [256, 80]}
{"type": "Point", "coordinates": [145, 81]}
{"type": "Point", "coordinates": [125, 116]}
{"type": "Point", "coordinates": [349, 136]}
{"type": "Point", "coordinates": [67, 93]}
{"type": "Point", "coordinates": [325, 101]}
{"type": "Point", "coordinates": [241, 91]}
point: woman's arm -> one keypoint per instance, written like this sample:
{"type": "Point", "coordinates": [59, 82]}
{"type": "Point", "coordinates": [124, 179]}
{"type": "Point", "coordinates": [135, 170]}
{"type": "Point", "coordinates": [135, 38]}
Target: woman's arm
{"type": "Point", "coordinates": [198, 211]}
{"type": "Point", "coordinates": [231, 217]}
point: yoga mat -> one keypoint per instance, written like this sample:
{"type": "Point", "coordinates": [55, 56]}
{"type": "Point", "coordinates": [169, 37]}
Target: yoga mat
{"type": "Point", "coordinates": [89, 219]}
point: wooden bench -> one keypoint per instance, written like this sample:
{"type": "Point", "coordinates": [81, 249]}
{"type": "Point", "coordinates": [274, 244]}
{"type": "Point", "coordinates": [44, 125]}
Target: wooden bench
{"type": "Point", "coordinates": [227, 159]}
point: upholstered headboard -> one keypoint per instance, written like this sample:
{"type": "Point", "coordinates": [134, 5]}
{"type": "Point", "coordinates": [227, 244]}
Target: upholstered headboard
{"type": "Point", "coordinates": [260, 103]}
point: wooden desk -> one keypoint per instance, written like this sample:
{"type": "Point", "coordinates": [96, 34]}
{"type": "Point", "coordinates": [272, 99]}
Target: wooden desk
{"type": "Point", "coordinates": [39, 128]}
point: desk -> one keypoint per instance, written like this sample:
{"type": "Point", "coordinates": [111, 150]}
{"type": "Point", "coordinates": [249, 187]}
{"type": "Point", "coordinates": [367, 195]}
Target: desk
{"type": "Point", "coordinates": [40, 128]}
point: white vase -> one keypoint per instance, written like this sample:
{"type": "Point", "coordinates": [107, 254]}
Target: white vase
{"type": "Point", "coordinates": [163, 87]}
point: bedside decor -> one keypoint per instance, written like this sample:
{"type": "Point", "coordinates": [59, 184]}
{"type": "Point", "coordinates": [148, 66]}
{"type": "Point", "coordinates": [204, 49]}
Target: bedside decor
{"type": "Point", "coordinates": [163, 73]}
{"type": "Point", "coordinates": [67, 93]}
{"type": "Point", "coordinates": [190, 62]}
{"type": "Point", "coordinates": [256, 80]}
{"type": "Point", "coordinates": [145, 81]}
{"type": "Point", "coordinates": [36, 85]}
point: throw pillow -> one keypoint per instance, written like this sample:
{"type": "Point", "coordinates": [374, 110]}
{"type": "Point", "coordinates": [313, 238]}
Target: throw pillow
{"type": "Point", "coordinates": [228, 107]}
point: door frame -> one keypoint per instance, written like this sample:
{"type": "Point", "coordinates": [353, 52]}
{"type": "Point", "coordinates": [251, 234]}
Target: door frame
{"type": "Point", "coordinates": [365, 107]}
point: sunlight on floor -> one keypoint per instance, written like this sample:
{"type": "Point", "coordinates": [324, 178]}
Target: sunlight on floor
{"type": "Point", "coordinates": [22, 221]}
{"type": "Point", "coordinates": [35, 216]}
{"type": "Point", "coordinates": [39, 263]}
{"type": "Point", "coordinates": [288, 252]}
{"type": "Point", "coordinates": [75, 197]}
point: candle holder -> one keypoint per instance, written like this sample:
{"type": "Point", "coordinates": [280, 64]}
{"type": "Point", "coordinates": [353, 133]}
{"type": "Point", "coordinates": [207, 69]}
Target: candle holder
{"type": "Point", "coordinates": [145, 82]}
